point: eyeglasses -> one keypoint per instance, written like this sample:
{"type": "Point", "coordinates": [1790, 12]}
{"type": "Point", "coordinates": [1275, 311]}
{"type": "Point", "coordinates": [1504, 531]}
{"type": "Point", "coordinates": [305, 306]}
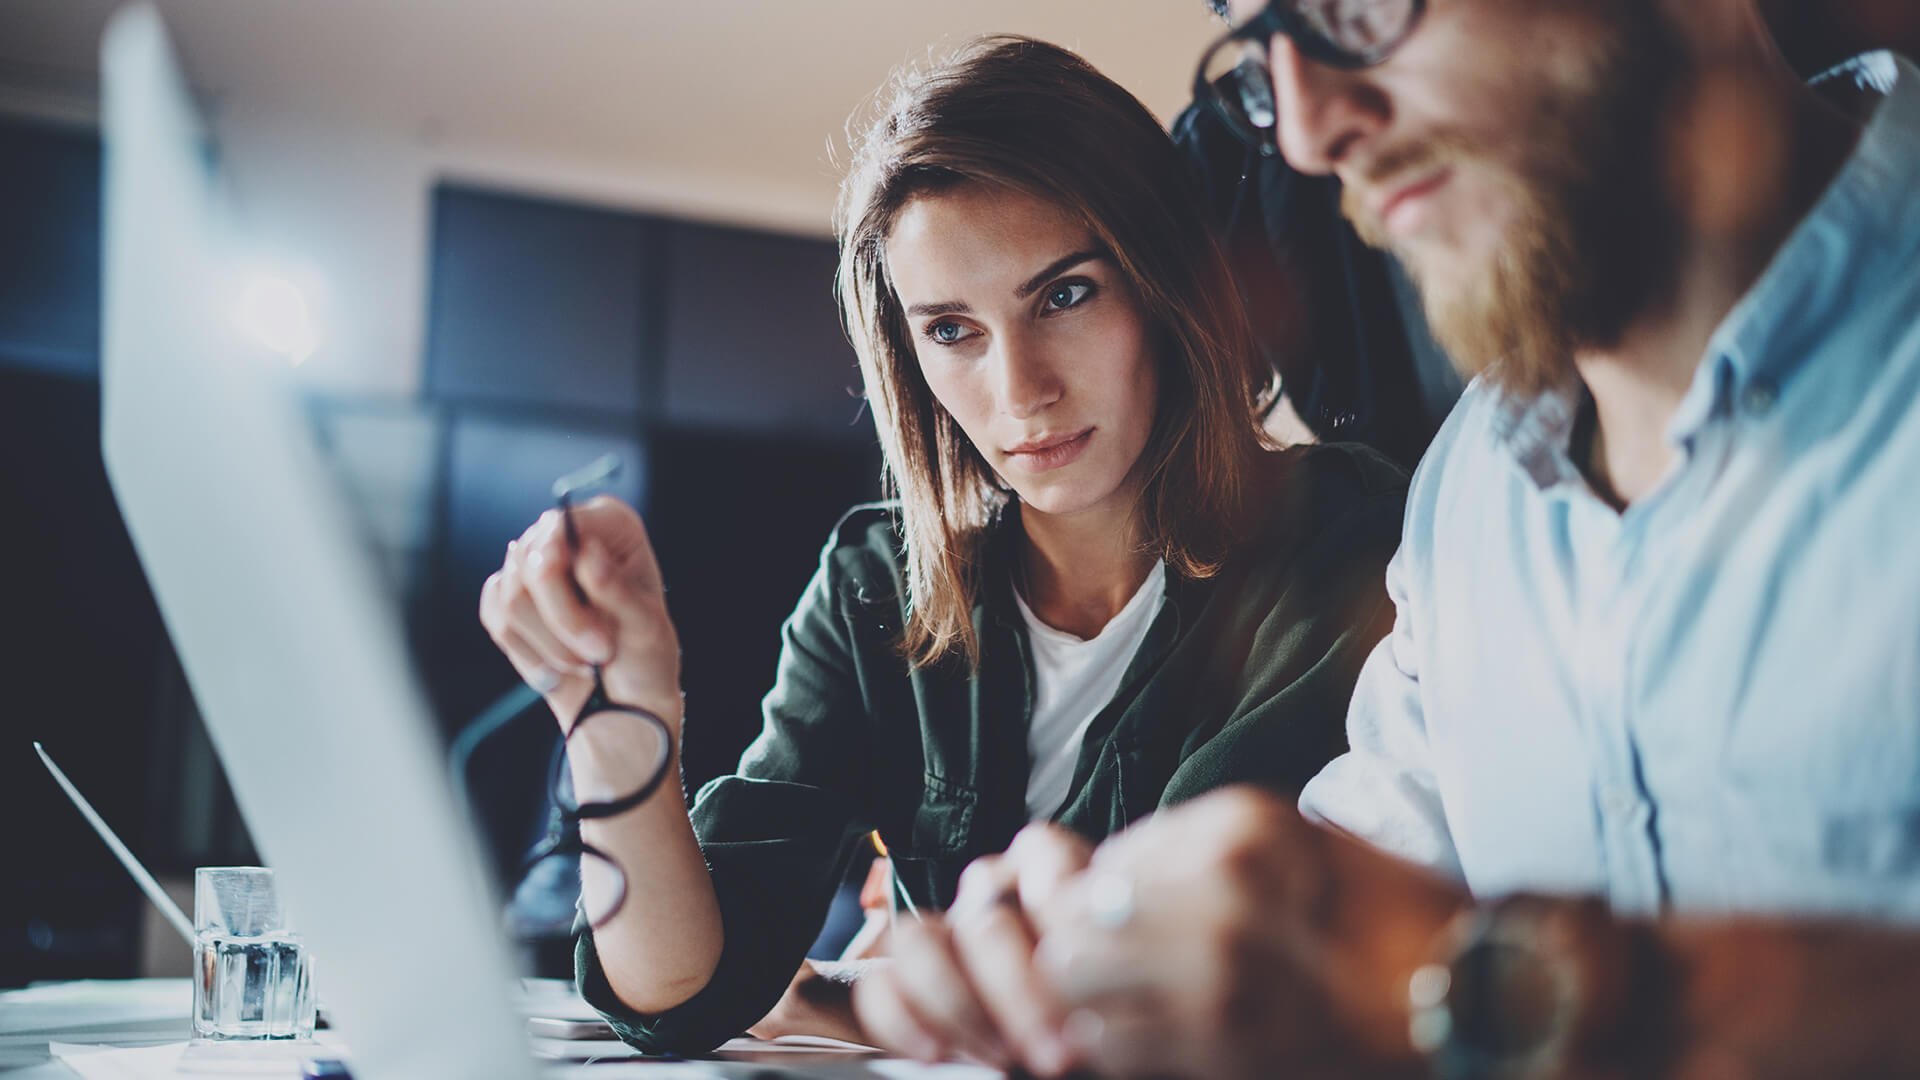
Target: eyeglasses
{"type": "Point", "coordinates": [632, 753]}
{"type": "Point", "coordinates": [1235, 76]}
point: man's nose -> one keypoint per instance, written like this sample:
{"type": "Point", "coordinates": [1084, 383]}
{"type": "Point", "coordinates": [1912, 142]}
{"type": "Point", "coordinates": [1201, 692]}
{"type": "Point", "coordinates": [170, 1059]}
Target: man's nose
{"type": "Point", "coordinates": [1320, 112]}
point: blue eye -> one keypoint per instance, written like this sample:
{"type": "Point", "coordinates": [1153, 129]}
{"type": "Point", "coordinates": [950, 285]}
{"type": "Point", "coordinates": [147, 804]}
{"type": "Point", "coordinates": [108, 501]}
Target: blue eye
{"type": "Point", "coordinates": [1067, 294]}
{"type": "Point", "coordinates": [947, 333]}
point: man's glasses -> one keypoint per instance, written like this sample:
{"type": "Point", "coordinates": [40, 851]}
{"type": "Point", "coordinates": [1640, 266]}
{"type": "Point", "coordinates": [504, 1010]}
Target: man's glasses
{"type": "Point", "coordinates": [1235, 76]}
{"type": "Point", "coordinates": [631, 753]}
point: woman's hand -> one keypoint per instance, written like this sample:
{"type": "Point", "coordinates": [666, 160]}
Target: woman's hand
{"type": "Point", "coordinates": [819, 1002]}
{"type": "Point", "coordinates": [963, 984]}
{"type": "Point", "coordinates": [662, 944]}
{"type": "Point", "coordinates": [533, 612]}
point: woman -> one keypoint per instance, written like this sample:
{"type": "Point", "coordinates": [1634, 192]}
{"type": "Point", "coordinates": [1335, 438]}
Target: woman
{"type": "Point", "coordinates": [1097, 593]}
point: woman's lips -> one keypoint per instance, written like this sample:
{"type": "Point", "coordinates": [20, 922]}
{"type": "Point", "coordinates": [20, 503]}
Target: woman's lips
{"type": "Point", "coordinates": [1051, 454]}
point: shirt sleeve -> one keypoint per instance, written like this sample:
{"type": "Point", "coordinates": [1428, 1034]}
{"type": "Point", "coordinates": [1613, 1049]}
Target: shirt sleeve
{"type": "Point", "coordinates": [1382, 789]}
{"type": "Point", "coordinates": [1316, 624]}
{"type": "Point", "coordinates": [775, 834]}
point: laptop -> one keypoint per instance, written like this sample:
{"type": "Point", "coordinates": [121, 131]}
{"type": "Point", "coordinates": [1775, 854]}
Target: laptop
{"type": "Point", "coordinates": [292, 645]}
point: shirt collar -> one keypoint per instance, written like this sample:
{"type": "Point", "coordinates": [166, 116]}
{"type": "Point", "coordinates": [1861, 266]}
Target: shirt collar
{"type": "Point", "coordinates": [1856, 241]}
{"type": "Point", "coordinates": [1538, 431]}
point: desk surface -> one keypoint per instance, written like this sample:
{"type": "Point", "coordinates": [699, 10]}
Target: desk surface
{"type": "Point", "coordinates": [120, 1012]}
{"type": "Point", "coordinates": [151, 1012]}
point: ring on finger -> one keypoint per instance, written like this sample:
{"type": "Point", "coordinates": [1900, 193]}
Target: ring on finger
{"type": "Point", "coordinates": [1110, 900]}
{"type": "Point", "coordinates": [1083, 1030]}
{"type": "Point", "coordinates": [542, 681]}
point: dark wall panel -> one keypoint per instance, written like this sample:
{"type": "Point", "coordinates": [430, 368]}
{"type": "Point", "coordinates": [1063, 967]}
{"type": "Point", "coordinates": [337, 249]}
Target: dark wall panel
{"type": "Point", "coordinates": [753, 339]}
{"type": "Point", "coordinates": [738, 522]}
{"type": "Point", "coordinates": [536, 304]}
{"type": "Point", "coordinates": [49, 249]}
{"type": "Point", "coordinates": [80, 669]}
{"type": "Point", "coordinates": [500, 475]}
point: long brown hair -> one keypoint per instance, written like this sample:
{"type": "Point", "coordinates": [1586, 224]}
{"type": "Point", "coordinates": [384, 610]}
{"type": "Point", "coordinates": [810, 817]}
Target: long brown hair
{"type": "Point", "coordinates": [1022, 114]}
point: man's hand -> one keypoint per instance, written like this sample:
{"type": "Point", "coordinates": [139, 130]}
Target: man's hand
{"type": "Point", "coordinates": [1231, 938]}
{"type": "Point", "coordinates": [963, 985]}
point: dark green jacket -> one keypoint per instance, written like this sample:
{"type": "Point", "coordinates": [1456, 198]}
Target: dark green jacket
{"type": "Point", "coordinates": [1242, 677]}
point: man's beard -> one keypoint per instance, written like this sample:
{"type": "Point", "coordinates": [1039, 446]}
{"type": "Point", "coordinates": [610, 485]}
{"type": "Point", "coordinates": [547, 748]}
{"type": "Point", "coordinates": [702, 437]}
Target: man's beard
{"type": "Point", "coordinates": [1585, 251]}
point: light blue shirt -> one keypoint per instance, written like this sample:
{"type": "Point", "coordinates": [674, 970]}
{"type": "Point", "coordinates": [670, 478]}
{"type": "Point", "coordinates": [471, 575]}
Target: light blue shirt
{"type": "Point", "coordinates": [1710, 702]}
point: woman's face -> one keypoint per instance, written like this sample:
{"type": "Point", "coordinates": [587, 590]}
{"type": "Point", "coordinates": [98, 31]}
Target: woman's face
{"type": "Point", "coordinates": [1031, 338]}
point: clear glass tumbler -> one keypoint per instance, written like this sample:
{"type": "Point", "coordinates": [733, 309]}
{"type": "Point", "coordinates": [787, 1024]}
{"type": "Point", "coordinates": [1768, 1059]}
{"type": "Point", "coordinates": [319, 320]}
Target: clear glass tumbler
{"type": "Point", "coordinates": [252, 978]}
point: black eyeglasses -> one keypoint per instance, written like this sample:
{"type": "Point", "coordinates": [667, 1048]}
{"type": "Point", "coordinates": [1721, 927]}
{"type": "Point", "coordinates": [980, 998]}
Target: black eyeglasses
{"type": "Point", "coordinates": [1235, 76]}
{"type": "Point", "coordinates": [632, 752]}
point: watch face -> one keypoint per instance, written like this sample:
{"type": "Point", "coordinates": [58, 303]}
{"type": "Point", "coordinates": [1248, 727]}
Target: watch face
{"type": "Point", "coordinates": [1507, 1002]}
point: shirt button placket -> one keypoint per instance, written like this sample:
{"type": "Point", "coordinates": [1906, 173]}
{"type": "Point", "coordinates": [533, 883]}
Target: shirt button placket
{"type": "Point", "coordinates": [1633, 883]}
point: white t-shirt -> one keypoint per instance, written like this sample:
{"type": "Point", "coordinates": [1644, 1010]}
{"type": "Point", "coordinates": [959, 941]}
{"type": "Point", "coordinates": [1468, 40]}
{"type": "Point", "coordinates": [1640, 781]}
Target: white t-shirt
{"type": "Point", "coordinates": [1073, 680]}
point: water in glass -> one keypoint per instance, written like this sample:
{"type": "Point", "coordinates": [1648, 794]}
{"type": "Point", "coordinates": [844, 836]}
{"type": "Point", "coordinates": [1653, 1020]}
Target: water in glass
{"type": "Point", "coordinates": [252, 988]}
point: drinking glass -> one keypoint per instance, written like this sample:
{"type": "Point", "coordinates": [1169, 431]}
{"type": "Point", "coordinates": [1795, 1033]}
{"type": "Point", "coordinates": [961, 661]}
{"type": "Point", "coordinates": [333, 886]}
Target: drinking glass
{"type": "Point", "coordinates": [252, 978]}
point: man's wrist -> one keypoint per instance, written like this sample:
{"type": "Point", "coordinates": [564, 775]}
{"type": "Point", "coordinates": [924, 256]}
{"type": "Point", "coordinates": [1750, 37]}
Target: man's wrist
{"type": "Point", "coordinates": [1625, 1028]}
{"type": "Point", "coordinates": [1531, 987]}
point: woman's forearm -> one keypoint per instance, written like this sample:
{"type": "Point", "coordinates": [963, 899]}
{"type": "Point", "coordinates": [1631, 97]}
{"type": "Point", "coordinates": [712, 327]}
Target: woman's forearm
{"type": "Point", "coordinates": [661, 946]}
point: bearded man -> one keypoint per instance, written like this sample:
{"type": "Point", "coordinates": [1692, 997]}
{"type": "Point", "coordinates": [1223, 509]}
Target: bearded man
{"type": "Point", "coordinates": [1634, 784]}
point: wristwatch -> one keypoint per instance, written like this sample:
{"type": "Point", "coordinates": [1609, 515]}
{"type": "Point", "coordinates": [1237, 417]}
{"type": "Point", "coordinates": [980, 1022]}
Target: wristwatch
{"type": "Point", "coordinates": [1524, 988]}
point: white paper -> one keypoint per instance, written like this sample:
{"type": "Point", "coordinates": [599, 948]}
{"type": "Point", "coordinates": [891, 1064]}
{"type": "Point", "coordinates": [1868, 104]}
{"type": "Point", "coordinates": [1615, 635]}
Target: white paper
{"type": "Point", "coordinates": [637, 1070]}
{"type": "Point", "coordinates": [894, 1069]}
{"type": "Point", "coordinates": [235, 1061]}
{"type": "Point", "coordinates": [812, 1044]}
